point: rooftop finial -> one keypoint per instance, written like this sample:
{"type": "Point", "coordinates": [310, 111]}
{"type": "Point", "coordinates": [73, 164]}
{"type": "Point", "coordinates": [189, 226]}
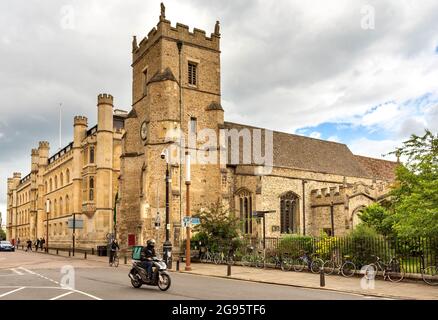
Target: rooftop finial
{"type": "Point", "coordinates": [134, 44]}
{"type": "Point", "coordinates": [217, 29]}
{"type": "Point", "coordinates": [163, 12]}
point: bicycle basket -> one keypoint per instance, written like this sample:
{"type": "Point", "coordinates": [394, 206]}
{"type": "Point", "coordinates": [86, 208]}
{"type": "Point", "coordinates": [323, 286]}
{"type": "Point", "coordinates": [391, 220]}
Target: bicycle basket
{"type": "Point", "coordinates": [136, 252]}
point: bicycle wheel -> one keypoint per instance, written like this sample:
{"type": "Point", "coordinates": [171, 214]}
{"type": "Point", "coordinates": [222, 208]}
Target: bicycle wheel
{"type": "Point", "coordinates": [246, 261]}
{"type": "Point", "coordinates": [299, 265]}
{"type": "Point", "coordinates": [286, 264]}
{"type": "Point", "coordinates": [395, 271]}
{"type": "Point", "coordinates": [316, 265]}
{"type": "Point", "coordinates": [370, 271]}
{"type": "Point", "coordinates": [329, 267]}
{"type": "Point", "coordinates": [348, 269]}
{"type": "Point", "coordinates": [217, 258]}
{"type": "Point", "coordinates": [430, 275]}
{"type": "Point", "coordinates": [259, 262]}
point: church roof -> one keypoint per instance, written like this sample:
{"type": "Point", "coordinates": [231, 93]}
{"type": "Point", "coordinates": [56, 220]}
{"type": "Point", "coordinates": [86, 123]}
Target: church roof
{"type": "Point", "coordinates": [378, 168]}
{"type": "Point", "coordinates": [300, 152]}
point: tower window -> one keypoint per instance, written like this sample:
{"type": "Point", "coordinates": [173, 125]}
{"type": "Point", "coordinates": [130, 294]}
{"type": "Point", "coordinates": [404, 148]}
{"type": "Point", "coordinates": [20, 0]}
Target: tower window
{"type": "Point", "coordinates": [91, 189]}
{"type": "Point", "coordinates": [192, 73]}
{"type": "Point", "coordinates": [193, 125]}
{"type": "Point", "coordinates": [91, 154]}
{"type": "Point", "coordinates": [145, 82]}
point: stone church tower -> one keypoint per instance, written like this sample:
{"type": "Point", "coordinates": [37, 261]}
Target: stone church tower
{"type": "Point", "coordinates": [176, 86]}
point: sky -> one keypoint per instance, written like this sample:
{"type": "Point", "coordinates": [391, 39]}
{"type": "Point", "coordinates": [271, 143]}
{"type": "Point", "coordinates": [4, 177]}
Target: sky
{"type": "Point", "coordinates": [363, 73]}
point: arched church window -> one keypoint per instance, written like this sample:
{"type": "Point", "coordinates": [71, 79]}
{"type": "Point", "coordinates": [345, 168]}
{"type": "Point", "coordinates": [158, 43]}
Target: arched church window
{"type": "Point", "coordinates": [245, 209]}
{"type": "Point", "coordinates": [288, 212]}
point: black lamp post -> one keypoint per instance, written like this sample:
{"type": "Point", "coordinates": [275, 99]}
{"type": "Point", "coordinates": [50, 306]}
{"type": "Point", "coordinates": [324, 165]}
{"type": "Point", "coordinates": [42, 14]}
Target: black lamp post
{"type": "Point", "coordinates": [167, 246]}
{"type": "Point", "coordinates": [262, 214]}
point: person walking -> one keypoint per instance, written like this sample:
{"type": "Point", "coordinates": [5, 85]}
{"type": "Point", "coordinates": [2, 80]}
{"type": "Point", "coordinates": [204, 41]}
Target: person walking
{"type": "Point", "coordinates": [42, 242]}
{"type": "Point", "coordinates": [29, 245]}
{"type": "Point", "coordinates": [37, 244]}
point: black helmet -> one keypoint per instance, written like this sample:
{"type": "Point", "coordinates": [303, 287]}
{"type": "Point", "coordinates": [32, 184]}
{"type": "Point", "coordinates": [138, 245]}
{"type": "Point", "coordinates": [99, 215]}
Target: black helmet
{"type": "Point", "coordinates": [151, 243]}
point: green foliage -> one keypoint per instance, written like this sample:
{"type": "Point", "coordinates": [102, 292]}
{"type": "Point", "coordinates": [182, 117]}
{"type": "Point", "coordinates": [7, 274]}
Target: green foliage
{"type": "Point", "coordinates": [219, 227]}
{"type": "Point", "coordinates": [378, 218]}
{"type": "Point", "coordinates": [364, 242]}
{"type": "Point", "coordinates": [415, 194]}
{"type": "Point", "coordinates": [325, 246]}
{"type": "Point", "coordinates": [2, 234]}
{"type": "Point", "coordinates": [293, 244]}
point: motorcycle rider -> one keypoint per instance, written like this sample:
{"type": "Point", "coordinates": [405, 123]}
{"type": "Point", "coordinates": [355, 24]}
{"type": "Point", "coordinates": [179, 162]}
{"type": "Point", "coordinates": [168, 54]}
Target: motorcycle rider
{"type": "Point", "coordinates": [148, 253]}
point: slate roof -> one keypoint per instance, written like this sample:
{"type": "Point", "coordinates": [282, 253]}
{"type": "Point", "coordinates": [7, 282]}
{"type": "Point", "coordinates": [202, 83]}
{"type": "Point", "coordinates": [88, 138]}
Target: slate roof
{"type": "Point", "coordinates": [300, 152]}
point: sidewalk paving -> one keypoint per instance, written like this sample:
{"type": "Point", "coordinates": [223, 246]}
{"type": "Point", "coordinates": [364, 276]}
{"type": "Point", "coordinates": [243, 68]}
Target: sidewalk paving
{"type": "Point", "coordinates": [402, 290]}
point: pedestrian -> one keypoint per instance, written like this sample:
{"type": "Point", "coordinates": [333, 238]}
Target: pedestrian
{"type": "Point", "coordinates": [29, 245]}
{"type": "Point", "coordinates": [18, 242]}
{"type": "Point", "coordinates": [114, 246]}
{"type": "Point", "coordinates": [37, 244]}
{"type": "Point", "coordinates": [42, 242]}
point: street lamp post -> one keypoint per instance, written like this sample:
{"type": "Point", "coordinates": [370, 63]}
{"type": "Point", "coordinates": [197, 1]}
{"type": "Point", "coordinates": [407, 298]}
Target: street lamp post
{"type": "Point", "coordinates": [167, 246]}
{"type": "Point", "coordinates": [262, 214]}
{"type": "Point", "coordinates": [47, 224]}
{"type": "Point", "coordinates": [188, 214]}
{"type": "Point", "coordinates": [332, 219]}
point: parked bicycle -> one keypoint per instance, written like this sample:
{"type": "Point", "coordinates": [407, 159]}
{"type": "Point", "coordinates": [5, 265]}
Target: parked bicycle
{"type": "Point", "coordinates": [280, 261]}
{"type": "Point", "coordinates": [393, 270]}
{"type": "Point", "coordinates": [207, 256]}
{"type": "Point", "coordinates": [430, 273]}
{"type": "Point", "coordinates": [253, 259]}
{"type": "Point", "coordinates": [346, 267]}
{"type": "Point", "coordinates": [222, 258]}
{"type": "Point", "coordinates": [312, 262]}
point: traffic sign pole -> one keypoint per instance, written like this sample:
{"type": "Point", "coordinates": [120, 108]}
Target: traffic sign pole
{"type": "Point", "coordinates": [188, 262]}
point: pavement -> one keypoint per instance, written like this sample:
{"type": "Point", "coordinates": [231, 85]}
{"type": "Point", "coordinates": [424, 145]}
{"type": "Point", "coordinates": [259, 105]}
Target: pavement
{"type": "Point", "coordinates": [26, 275]}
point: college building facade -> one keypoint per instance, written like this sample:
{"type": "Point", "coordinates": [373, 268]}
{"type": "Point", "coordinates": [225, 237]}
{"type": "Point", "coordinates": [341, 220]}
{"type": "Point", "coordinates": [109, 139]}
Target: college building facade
{"type": "Point", "coordinates": [311, 185]}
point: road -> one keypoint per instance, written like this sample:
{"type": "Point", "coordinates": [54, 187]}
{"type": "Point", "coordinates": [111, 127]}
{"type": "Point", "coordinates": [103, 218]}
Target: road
{"type": "Point", "coordinates": [28, 276]}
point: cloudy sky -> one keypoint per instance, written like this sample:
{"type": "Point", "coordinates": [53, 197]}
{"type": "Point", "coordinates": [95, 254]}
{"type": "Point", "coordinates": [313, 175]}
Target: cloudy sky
{"type": "Point", "coordinates": [364, 73]}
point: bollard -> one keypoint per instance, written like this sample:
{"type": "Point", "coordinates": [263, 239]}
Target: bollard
{"type": "Point", "coordinates": [92, 251]}
{"type": "Point", "coordinates": [57, 251]}
{"type": "Point", "coordinates": [321, 277]}
{"type": "Point", "coordinates": [85, 255]}
{"type": "Point", "coordinates": [177, 265]}
{"type": "Point", "coordinates": [229, 270]}
{"type": "Point", "coordinates": [126, 259]}
{"type": "Point", "coordinates": [69, 253]}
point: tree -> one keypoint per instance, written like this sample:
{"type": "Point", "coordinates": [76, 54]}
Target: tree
{"type": "Point", "coordinates": [2, 234]}
{"type": "Point", "coordinates": [218, 224]}
{"type": "Point", "coordinates": [378, 218]}
{"type": "Point", "coordinates": [415, 193]}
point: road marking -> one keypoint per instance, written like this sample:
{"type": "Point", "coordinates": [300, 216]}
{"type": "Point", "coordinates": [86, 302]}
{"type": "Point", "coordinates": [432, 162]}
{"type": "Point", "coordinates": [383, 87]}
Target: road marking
{"type": "Point", "coordinates": [87, 294]}
{"type": "Point", "coordinates": [26, 270]}
{"type": "Point", "coordinates": [10, 292]}
{"type": "Point", "coordinates": [62, 295]}
{"type": "Point", "coordinates": [17, 272]}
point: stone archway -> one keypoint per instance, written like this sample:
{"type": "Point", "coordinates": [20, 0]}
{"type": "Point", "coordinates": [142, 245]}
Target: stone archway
{"type": "Point", "coordinates": [355, 220]}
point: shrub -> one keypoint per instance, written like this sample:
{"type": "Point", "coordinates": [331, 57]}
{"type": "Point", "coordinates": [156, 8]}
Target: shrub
{"type": "Point", "coordinates": [293, 244]}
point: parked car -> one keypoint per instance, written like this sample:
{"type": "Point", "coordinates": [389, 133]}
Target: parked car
{"type": "Point", "coordinates": [6, 246]}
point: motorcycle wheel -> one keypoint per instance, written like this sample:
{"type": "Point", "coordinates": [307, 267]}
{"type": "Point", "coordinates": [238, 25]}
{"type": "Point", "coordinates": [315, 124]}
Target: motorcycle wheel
{"type": "Point", "coordinates": [164, 282]}
{"type": "Point", "coordinates": [136, 283]}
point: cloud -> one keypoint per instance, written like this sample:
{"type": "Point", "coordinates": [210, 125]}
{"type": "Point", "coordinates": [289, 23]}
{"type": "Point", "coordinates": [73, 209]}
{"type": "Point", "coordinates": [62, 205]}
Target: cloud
{"type": "Point", "coordinates": [315, 134]}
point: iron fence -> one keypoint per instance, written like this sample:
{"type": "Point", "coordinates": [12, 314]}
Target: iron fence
{"type": "Point", "coordinates": [414, 253]}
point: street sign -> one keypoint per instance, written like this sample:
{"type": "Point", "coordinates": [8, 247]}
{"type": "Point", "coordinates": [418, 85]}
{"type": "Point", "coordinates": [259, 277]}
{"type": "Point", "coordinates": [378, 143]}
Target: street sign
{"type": "Point", "coordinates": [79, 223]}
{"type": "Point", "coordinates": [189, 221]}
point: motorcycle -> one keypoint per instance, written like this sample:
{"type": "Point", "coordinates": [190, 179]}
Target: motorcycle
{"type": "Point", "coordinates": [160, 277]}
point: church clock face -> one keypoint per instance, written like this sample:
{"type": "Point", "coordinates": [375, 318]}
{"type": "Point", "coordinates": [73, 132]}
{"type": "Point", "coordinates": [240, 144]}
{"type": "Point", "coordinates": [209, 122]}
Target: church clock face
{"type": "Point", "coordinates": [144, 131]}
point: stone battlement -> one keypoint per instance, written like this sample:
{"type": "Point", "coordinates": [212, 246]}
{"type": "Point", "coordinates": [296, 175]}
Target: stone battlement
{"type": "Point", "coordinates": [17, 175]}
{"type": "Point", "coordinates": [105, 98]}
{"type": "Point", "coordinates": [34, 152]}
{"type": "Point", "coordinates": [180, 32]}
{"type": "Point", "coordinates": [81, 121]}
{"type": "Point", "coordinates": [44, 145]}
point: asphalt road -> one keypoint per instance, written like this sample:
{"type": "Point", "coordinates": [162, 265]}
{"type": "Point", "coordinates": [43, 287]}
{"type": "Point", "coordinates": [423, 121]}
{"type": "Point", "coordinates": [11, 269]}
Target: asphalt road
{"type": "Point", "coordinates": [29, 276]}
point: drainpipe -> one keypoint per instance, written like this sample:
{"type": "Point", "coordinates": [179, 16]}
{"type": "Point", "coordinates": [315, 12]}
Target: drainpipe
{"type": "Point", "coordinates": [304, 206]}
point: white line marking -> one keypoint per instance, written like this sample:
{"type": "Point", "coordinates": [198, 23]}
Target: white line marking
{"type": "Point", "coordinates": [88, 295]}
{"type": "Point", "coordinates": [10, 292]}
{"type": "Point", "coordinates": [62, 295]}
{"type": "Point", "coordinates": [27, 270]}
{"type": "Point", "coordinates": [17, 272]}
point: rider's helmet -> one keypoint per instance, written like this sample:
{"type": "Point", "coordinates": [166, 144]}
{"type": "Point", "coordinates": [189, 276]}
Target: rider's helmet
{"type": "Point", "coordinates": [151, 243]}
